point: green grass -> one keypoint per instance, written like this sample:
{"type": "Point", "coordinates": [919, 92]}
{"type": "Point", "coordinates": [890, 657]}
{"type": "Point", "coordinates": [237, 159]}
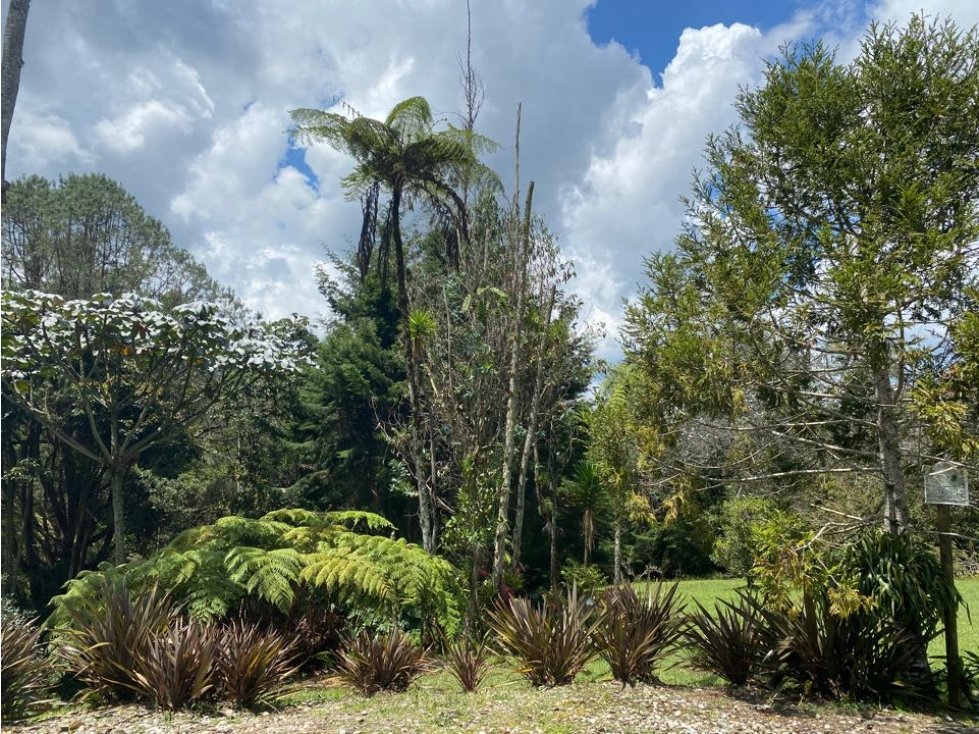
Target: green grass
{"type": "Point", "coordinates": [709, 591]}
{"type": "Point", "coordinates": [968, 628]}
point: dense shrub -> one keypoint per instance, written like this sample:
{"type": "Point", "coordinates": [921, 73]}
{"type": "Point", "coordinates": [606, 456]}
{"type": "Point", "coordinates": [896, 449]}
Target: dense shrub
{"type": "Point", "coordinates": [466, 660]}
{"type": "Point", "coordinates": [636, 630]}
{"type": "Point", "coordinates": [254, 663]}
{"type": "Point", "coordinates": [106, 634]}
{"type": "Point", "coordinates": [25, 672]}
{"type": "Point", "coordinates": [552, 641]}
{"type": "Point", "coordinates": [726, 641]}
{"type": "Point", "coordinates": [275, 563]}
{"type": "Point", "coordinates": [177, 667]}
{"type": "Point", "coordinates": [373, 662]}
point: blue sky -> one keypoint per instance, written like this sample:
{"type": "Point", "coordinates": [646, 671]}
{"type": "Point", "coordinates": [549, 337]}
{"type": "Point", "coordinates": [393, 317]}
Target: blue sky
{"type": "Point", "coordinates": [186, 103]}
{"type": "Point", "coordinates": [652, 29]}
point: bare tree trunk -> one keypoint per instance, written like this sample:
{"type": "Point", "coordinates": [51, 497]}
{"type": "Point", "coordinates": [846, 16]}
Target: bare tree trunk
{"type": "Point", "coordinates": [530, 441]}
{"type": "Point", "coordinates": [13, 60]}
{"type": "Point", "coordinates": [888, 436]}
{"type": "Point", "coordinates": [503, 495]}
{"type": "Point", "coordinates": [411, 374]}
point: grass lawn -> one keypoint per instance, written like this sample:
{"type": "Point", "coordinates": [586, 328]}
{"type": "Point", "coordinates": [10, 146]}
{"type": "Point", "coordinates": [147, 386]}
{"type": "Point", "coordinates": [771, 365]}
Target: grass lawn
{"type": "Point", "coordinates": [709, 591]}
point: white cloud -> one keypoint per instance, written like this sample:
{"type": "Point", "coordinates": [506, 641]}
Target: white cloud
{"type": "Point", "coordinates": [186, 103]}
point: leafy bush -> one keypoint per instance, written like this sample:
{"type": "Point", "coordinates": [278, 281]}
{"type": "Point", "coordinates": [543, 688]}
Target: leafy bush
{"type": "Point", "coordinates": [736, 546]}
{"type": "Point", "coordinates": [552, 641]}
{"type": "Point", "coordinates": [635, 631]}
{"type": "Point", "coordinates": [726, 642]}
{"type": "Point", "coordinates": [467, 662]}
{"type": "Point", "coordinates": [274, 563]}
{"type": "Point", "coordinates": [903, 577]}
{"type": "Point", "coordinates": [372, 662]}
{"type": "Point", "coordinates": [253, 663]}
{"type": "Point", "coordinates": [107, 633]}
{"type": "Point", "coordinates": [176, 668]}
{"type": "Point", "coordinates": [25, 673]}
{"type": "Point", "coordinates": [587, 579]}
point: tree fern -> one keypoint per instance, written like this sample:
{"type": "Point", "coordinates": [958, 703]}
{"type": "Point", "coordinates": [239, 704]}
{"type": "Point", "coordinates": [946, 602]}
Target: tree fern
{"type": "Point", "coordinates": [289, 557]}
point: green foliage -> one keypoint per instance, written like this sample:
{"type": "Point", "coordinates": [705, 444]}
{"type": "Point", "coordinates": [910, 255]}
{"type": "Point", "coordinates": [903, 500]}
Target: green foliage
{"type": "Point", "coordinates": [726, 642]}
{"type": "Point", "coordinates": [285, 558]}
{"type": "Point", "coordinates": [176, 668]}
{"type": "Point", "coordinates": [551, 641]}
{"type": "Point", "coordinates": [903, 577]}
{"type": "Point", "coordinates": [106, 633]}
{"type": "Point", "coordinates": [253, 663]}
{"type": "Point", "coordinates": [589, 579]}
{"type": "Point", "coordinates": [635, 631]}
{"type": "Point", "coordinates": [25, 672]}
{"type": "Point", "coordinates": [373, 662]}
{"type": "Point", "coordinates": [467, 661]}
{"type": "Point", "coordinates": [737, 546]}
{"type": "Point", "coordinates": [830, 246]}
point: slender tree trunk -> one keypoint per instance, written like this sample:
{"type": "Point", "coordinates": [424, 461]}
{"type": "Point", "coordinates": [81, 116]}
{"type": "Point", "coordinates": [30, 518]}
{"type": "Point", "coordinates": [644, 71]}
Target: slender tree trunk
{"type": "Point", "coordinates": [117, 482]}
{"type": "Point", "coordinates": [530, 440]}
{"type": "Point", "coordinates": [888, 436]}
{"type": "Point", "coordinates": [13, 60]}
{"type": "Point", "coordinates": [9, 536]}
{"type": "Point", "coordinates": [617, 554]}
{"type": "Point", "coordinates": [411, 373]}
{"type": "Point", "coordinates": [506, 480]}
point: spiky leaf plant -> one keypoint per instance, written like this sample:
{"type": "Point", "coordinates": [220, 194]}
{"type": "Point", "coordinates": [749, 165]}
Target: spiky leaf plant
{"type": "Point", "coordinates": [253, 664]}
{"type": "Point", "coordinates": [177, 667]}
{"type": "Point", "coordinates": [635, 631]}
{"type": "Point", "coordinates": [727, 641]}
{"type": "Point", "coordinates": [374, 662]}
{"type": "Point", "coordinates": [25, 672]}
{"type": "Point", "coordinates": [467, 661]}
{"type": "Point", "coordinates": [551, 641]}
{"type": "Point", "coordinates": [108, 631]}
{"type": "Point", "coordinates": [287, 557]}
{"type": "Point", "coordinates": [860, 655]}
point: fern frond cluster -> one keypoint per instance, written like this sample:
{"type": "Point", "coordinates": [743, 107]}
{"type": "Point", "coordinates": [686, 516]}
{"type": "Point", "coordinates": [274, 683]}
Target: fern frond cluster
{"type": "Point", "coordinates": [288, 557]}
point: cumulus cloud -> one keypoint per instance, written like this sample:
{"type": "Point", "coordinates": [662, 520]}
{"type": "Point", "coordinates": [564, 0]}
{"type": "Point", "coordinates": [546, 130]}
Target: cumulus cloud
{"type": "Point", "coordinates": [186, 104]}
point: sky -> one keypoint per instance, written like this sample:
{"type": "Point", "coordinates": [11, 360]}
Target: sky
{"type": "Point", "coordinates": [186, 103]}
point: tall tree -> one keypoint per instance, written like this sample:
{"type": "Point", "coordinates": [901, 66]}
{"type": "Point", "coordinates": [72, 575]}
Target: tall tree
{"type": "Point", "coordinates": [132, 371]}
{"type": "Point", "coordinates": [13, 59]}
{"type": "Point", "coordinates": [404, 156]}
{"type": "Point", "coordinates": [85, 234]}
{"type": "Point", "coordinates": [829, 256]}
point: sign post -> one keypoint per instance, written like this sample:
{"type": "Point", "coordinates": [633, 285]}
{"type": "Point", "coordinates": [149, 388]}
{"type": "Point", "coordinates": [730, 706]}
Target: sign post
{"type": "Point", "coordinates": [945, 487]}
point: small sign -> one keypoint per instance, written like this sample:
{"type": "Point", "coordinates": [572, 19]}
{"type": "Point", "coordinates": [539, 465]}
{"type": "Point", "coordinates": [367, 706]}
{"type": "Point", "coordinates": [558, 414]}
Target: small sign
{"type": "Point", "coordinates": [947, 484]}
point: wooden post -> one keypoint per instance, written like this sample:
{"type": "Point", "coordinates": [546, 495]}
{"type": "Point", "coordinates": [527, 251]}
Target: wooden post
{"type": "Point", "coordinates": [953, 664]}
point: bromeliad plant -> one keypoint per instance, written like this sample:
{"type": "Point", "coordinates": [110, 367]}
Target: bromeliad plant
{"type": "Point", "coordinates": [176, 668]}
{"type": "Point", "coordinates": [107, 633]}
{"type": "Point", "coordinates": [727, 641]}
{"type": "Point", "coordinates": [345, 560]}
{"type": "Point", "coordinates": [374, 662]}
{"type": "Point", "coordinates": [254, 663]}
{"type": "Point", "coordinates": [25, 672]}
{"type": "Point", "coordinates": [551, 641]}
{"type": "Point", "coordinates": [635, 631]}
{"type": "Point", "coordinates": [466, 660]}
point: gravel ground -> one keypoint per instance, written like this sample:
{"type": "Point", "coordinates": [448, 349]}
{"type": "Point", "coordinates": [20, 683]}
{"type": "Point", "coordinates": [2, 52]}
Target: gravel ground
{"type": "Point", "coordinates": [583, 708]}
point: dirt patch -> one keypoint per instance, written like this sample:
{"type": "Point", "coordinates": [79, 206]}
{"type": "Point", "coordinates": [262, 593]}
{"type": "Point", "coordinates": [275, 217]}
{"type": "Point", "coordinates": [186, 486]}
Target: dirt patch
{"type": "Point", "coordinates": [582, 708]}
